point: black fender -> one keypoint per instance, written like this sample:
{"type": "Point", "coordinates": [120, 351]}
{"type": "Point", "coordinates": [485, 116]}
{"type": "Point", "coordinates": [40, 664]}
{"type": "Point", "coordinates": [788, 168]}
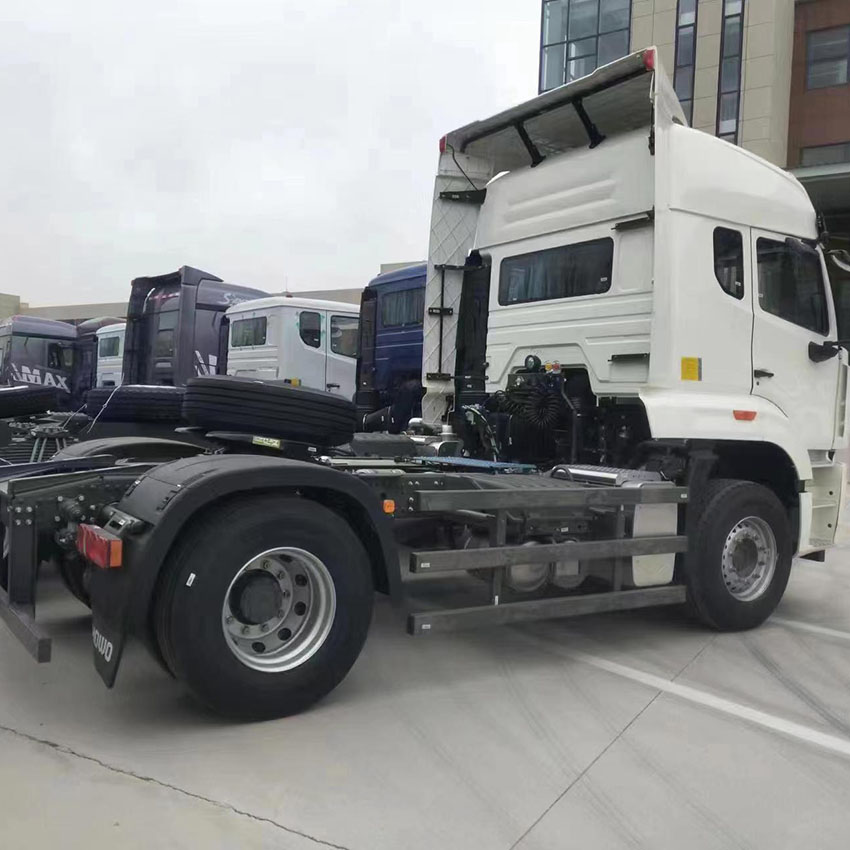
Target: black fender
{"type": "Point", "coordinates": [171, 495]}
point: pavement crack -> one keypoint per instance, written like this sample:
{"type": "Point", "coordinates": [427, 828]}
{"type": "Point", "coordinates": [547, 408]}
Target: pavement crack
{"type": "Point", "coordinates": [584, 771]}
{"type": "Point", "coordinates": [65, 750]}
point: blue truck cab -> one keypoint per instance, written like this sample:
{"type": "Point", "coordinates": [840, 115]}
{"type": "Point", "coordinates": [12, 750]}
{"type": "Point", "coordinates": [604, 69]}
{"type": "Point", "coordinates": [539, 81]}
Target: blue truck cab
{"type": "Point", "coordinates": [389, 367]}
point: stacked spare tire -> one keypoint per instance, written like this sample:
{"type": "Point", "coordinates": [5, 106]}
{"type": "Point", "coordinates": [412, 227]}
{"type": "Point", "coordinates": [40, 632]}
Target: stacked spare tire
{"type": "Point", "coordinates": [27, 400]}
{"type": "Point", "coordinates": [135, 403]}
{"type": "Point", "coordinates": [268, 409]}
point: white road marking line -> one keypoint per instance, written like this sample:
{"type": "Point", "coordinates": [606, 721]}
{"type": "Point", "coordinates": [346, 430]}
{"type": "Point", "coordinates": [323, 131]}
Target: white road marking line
{"type": "Point", "coordinates": [734, 709]}
{"type": "Point", "coordinates": [810, 627]}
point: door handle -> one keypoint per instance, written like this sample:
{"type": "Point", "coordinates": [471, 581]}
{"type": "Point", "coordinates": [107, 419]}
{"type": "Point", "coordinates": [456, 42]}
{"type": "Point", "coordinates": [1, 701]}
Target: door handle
{"type": "Point", "coordinates": [332, 386]}
{"type": "Point", "coordinates": [762, 373]}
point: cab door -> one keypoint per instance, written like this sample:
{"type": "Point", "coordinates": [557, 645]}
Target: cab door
{"type": "Point", "coordinates": [309, 350]}
{"type": "Point", "coordinates": [341, 368]}
{"type": "Point", "coordinates": [791, 311]}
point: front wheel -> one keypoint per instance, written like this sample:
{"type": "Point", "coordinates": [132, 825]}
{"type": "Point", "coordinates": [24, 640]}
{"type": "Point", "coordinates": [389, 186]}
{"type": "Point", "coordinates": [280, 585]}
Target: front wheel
{"type": "Point", "coordinates": [265, 606]}
{"type": "Point", "coordinates": [740, 557]}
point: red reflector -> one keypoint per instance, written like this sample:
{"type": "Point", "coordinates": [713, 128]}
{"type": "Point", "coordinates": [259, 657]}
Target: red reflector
{"type": "Point", "coordinates": [443, 145]}
{"type": "Point", "coordinates": [99, 546]}
{"type": "Point", "coordinates": [649, 59]}
{"type": "Point", "coordinates": [744, 415]}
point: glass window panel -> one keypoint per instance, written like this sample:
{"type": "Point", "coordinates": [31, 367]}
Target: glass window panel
{"type": "Point", "coordinates": [108, 346]}
{"type": "Point", "coordinates": [729, 260]}
{"type": "Point", "coordinates": [564, 272]}
{"type": "Point", "coordinates": [826, 154]}
{"type": "Point", "coordinates": [790, 284]}
{"type": "Point", "coordinates": [613, 15]}
{"type": "Point", "coordinates": [406, 307]}
{"type": "Point", "coordinates": [732, 7]}
{"type": "Point", "coordinates": [580, 67]}
{"type": "Point", "coordinates": [829, 44]}
{"type": "Point", "coordinates": [244, 332]}
{"type": "Point", "coordinates": [583, 18]}
{"type": "Point", "coordinates": [732, 37]}
{"type": "Point", "coordinates": [688, 109]}
{"type": "Point", "coordinates": [553, 67]}
{"type": "Point", "coordinates": [687, 12]}
{"type": "Point", "coordinates": [585, 47]}
{"type": "Point", "coordinates": [345, 331]}
{"type": "Point", "coordinates": [832, 72]}
{"type": "Point", "coordinates": [684, 84]}
{"type": "Point", "coordinates": [555, 21]}
{"type": "Point", "coordinates": [728, 114]}
{"type": "Point", "coordinates": [685, 46]}
{"type": "Point", "coordinates": [310, 328]}
{"type": "Point", "coordinates": [730, 75]}
{"type": "Point", "coordinates": [612, 46]}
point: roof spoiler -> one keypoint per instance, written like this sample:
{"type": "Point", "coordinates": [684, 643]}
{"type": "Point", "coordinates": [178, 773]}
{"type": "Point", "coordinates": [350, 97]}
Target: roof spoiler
{"type": "Point", "coordinates": [623, 95]}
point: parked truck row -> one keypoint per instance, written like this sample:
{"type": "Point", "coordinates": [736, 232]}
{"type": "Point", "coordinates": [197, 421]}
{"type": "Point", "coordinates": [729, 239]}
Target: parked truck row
{"type": "Point", "coordinates": [635, 384]}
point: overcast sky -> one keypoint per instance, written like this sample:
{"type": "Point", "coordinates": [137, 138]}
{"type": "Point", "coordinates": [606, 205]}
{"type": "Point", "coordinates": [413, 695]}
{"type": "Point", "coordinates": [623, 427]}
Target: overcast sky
{"type": "Point", "coordinates": [270, 142]}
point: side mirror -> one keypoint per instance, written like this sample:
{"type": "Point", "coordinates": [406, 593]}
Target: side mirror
{"type": "Point", "coordinates": [840, 259]}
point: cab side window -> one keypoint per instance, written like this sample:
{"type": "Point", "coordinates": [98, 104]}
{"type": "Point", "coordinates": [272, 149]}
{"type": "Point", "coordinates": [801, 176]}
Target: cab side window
{"type": "Point", "coordinates": [310, 328]}
{"type": "Point", "coordinates": [729, 261]}
{"type": "Point", "coordinates": [791, 286]}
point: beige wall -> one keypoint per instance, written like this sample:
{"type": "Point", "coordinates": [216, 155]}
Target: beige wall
{"type": "Point", "coordinates": [766, 73]}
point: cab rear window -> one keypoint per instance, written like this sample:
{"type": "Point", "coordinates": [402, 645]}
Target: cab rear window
{"type": "Point", "coordinates": [245, 332]}
{"type": "Point", "coordinates": [567, 271]}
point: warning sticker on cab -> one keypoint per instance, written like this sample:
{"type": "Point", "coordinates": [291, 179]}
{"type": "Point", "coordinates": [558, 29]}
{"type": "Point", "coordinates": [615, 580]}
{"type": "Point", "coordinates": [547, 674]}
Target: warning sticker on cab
{"type": "Point", "coordinates": [692, 368]}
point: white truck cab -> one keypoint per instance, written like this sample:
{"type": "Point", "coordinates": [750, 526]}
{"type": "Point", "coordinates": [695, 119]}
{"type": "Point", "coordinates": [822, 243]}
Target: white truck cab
{"type": "Point", "coordinates": [661, 286]}
{"type": "Point", "coordinates": [110, 355]}
{"type": "Point", "coordinates": [307, 341]}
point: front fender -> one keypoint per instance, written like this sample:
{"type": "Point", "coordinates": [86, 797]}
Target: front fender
{"type": "Point", "coordinates": [171, 495]}
{"type": "Point", "coordinates": [710, 416]}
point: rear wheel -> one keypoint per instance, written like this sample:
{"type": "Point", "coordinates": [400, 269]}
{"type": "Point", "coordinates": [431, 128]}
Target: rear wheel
{"type": "Point", "coordinates": [740, 557]}
{"type": "Point", "coordinates": [265, 606]}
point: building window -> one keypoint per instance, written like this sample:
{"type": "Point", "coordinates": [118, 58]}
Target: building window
{"type": "Point", "coordinates": [826, 154]}
{"type": "Point", "coordinates": [827, 58]}
{"type": "Point", "coordinates": [564, 272]}
{"type": "Point", "coordinates": [580, 35]}
{"type": "Point", "coordinates": [729, 84]}
{"type": "Point", "coordinates": [686, 48]}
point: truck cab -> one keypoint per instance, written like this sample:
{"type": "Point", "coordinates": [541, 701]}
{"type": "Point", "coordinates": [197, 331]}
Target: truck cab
{"type": "Point", "coordinates": [110, 355]}
{"type": "Point", "coordinates": [391, 311]}
{"type": "Point", "coordinates": [175, 326]}
{"type": "Point", "coordinates": [40, 352]}
{"type": "Point", "coordinates": [620, 283]}
{"type": "Point", "coordinates": [307, 341]}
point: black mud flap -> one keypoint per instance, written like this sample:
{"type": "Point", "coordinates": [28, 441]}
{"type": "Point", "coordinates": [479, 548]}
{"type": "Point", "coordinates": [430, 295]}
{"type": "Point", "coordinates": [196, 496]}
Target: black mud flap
{"type": "Point", "coordinates": [110, 592]}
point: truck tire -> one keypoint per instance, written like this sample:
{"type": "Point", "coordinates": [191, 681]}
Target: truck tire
{"type": "Point", "coordinates": [135, 403]}
{"type": "Point", "coordinates": [269, 408]}
{"type": "Point", "coordinates": [739, 559]}
{"type": "Point", "coordinates": [264, 606]}
{"type": "Point", "coordinates": [27, 400]}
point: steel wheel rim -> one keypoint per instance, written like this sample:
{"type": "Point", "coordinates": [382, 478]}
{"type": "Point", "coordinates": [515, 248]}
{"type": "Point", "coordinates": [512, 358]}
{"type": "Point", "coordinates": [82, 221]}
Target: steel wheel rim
{"type": "Point", "coordinates": [298, 585]}
{"type": "Point", "coordinates": [749, 558]}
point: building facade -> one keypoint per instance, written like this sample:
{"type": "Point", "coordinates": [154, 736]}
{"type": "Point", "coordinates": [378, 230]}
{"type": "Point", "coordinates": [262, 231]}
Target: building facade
{"type": "Point", "coordinates": [730, 60]}
{"type": "Point", "coordinates": [770, 75]}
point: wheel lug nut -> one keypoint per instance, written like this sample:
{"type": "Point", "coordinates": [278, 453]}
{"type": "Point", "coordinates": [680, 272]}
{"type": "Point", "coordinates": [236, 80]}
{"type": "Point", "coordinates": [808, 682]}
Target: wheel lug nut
{"type": "Point", "coordinates": [245, 630]}
{"type": "Point", "coordinates": [264, 627]}
{"type": "Point", "coordinates": [228, 619]}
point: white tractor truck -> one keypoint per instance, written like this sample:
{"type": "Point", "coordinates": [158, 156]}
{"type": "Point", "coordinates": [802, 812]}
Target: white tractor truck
{"type": "Point", "coordinates": [636, 386]}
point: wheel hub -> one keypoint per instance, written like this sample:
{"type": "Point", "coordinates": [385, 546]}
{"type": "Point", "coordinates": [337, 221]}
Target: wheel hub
{"type": "Point", "coordinates": [278, 609]}
{"type": "Point", "coordinates": [749, 559]}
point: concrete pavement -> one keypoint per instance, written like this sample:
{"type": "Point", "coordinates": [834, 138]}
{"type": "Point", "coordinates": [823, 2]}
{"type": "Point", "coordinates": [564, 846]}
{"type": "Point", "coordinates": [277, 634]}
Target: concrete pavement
{"type": "Point", "coordinates": [629, 730]}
